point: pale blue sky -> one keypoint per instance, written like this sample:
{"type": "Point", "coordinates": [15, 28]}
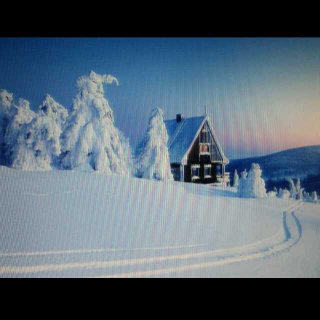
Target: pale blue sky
{"type": "Point", "coordinates": [262, 94]}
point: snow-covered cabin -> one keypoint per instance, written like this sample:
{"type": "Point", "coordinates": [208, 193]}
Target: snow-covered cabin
{"type": "Point", "coordinates": [195, 152]}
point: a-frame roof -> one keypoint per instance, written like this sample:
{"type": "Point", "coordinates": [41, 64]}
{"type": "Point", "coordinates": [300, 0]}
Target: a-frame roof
{"type": "Point", "coordinates": [183, 134]}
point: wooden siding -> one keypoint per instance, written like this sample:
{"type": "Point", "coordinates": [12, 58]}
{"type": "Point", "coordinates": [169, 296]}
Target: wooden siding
{"type": "Point", "coordinates": [194, 154]}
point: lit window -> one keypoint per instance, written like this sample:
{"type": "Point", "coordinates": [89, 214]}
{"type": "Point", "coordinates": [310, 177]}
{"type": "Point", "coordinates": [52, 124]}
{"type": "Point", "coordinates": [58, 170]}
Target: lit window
{"type": "Point", "coordinates": [204, 148]}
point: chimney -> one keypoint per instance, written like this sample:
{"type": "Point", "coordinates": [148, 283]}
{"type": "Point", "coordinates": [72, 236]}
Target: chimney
{"type": "Point", "coordinates": [180, 116]}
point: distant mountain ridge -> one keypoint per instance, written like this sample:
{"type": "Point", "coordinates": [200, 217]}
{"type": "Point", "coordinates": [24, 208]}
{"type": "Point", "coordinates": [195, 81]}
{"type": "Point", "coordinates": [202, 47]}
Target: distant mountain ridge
{"type": "Point", "coordinates": [293, 163]}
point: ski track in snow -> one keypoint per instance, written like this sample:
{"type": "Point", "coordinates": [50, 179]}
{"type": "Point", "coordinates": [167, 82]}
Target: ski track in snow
{"type": "Point", "coordinates": [280, 242]}
{"type": "Point", "coordinates": [83, 251]}
{"type": "Point", "coordinates": [255, 251]}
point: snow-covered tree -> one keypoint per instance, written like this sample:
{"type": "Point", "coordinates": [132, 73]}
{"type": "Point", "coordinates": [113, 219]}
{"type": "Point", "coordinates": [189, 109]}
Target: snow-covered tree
{"type": "Point", "coordinates": [21, 115]}
{"type": "Point", "coordinates": [33, 140]}
{"type": "Point", "coordinates": [314, 197]}
{"type": "Point", "coordinates": [298, 187]}
{"type": "Point", "coordinates": [236, 179]}
{"type": "Point", "coordinates": [300, 194]}
{"type": "Point", "coordinates": [253, 186]}
{"type": "Point", "coordinates": [242, 182]}
{"type": "Point", "coordinates": [306, 196]}
{"type": "Point", "coordinates": [52, 109]}
{"type": "Point", "coordinates": [275, 190]}
{"type": "Point", "coordinates": [90, 136]}
{"type": "Point", "coordinates": [244, 174]}
{"type": "Point", "coordinates": [152, 155]}
{"type": "Point", "coordinates": [293, 190]}
{"type": "Point", "coordinates": [6, 99]}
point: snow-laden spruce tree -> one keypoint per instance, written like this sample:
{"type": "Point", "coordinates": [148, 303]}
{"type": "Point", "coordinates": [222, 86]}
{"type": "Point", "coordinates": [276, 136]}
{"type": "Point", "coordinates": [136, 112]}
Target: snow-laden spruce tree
{"type": "Point", "coordinates": [242, 182]}
{"type": "Point", "coordinates": [236, 179]}
{"type": "Point", "coordinates": [244, 174]}
{"type": "Point", "coordinates": [300, 194]}
{"type": "Point", "coordinates": [21, 114]}
{"type": "Point", "coordinates": [314, 197]}
{"type": "Point", "coordinates": [90, 136]}
{"type": "Point", "coordinates": [33, 139]}
{"type": "Point", "coordinates": [253, 186]}
{"type": "Point", "coordinates": [298, 187]}
{"type": "Point", "coordinates": [6, 99]}
{"type": "Point", "coordinates": [152, 155]}
{"type": "Point", "coordinates": [293, 190]}
{"type": "Point", "coordinates": [307, 197]}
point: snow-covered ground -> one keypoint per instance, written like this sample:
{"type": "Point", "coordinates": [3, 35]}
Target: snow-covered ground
{"type": "Point", "coordinates": [85, 224]}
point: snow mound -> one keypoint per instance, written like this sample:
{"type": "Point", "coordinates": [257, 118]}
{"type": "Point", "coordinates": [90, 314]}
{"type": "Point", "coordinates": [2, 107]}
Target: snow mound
{"type": "Point", "coordinates": [272, 194]}
{"type": "Point", "coordinates": [284, 194]}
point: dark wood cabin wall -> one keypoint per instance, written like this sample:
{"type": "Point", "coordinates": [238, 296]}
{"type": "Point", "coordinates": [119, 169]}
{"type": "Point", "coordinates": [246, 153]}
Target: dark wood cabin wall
{"type": "Point", "coordinates": [193, 157]}
{"type": "Point", "coordinates": [187, 173]}
{"type": "Point", "coordinates": [202, 180]}
{"type": "Point", "coordinates": [214, 153]}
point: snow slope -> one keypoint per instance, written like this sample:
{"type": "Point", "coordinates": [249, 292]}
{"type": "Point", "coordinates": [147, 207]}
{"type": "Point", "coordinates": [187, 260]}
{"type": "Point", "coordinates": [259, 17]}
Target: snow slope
{"type": "Point", "coordinates": [82, 224]}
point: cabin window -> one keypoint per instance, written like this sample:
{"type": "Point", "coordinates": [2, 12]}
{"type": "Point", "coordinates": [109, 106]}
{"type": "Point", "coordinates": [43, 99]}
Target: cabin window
{"type": "Point", "coordinates": [204, 136]}
{"type": "Point", "coordinates": [204, 141]}
{"type": "Point", "coordinates": [195, 172]}
{"type": "Point", "coordinates": [207, 171]}
{"type": "Point", "coordinates": [204, 148]}
{"type": "Point", "coordinates": [219, 170]}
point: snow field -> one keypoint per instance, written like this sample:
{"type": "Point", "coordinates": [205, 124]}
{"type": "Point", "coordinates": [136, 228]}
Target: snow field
{"type": "Point", "coordinates": [82, 224]}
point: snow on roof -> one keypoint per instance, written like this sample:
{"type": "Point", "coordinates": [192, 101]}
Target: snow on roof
{"type": "Point", "coordinates": [182, 134]}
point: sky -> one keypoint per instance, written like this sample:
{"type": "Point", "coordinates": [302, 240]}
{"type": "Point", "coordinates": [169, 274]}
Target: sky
{"type": "Point", "coordinates": [262, 94]}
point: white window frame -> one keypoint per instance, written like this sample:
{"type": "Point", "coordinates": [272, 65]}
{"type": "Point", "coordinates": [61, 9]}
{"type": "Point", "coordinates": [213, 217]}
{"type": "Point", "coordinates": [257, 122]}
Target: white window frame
{"type": "Point", "coordinates": [198, 167]}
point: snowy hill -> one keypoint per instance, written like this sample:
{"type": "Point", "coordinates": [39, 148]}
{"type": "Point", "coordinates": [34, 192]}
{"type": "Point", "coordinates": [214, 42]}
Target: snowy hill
{"type": "Point", "coordinates": [292, 163]}
{"type": "Point", "coordinates": [89, 224]}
